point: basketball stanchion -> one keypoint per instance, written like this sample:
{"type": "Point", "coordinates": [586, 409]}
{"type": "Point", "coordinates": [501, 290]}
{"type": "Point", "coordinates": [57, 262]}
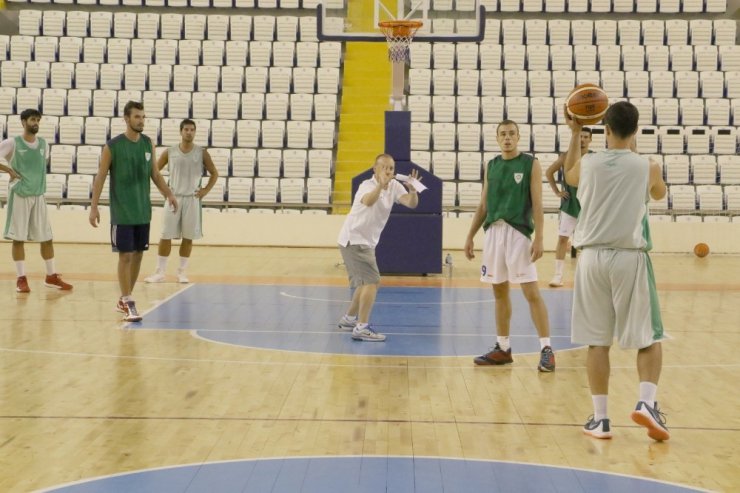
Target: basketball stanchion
{"type": "Point", "coordinates": [399, 34]}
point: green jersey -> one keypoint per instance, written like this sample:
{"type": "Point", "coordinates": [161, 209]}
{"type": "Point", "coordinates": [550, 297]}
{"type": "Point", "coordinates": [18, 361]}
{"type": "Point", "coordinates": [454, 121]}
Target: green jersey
{"type": "Point", "coordinates": [509, 196]}
{"type": "Point", "coordinates": [130, 173]}
{"type": "Point", "coordinates": [571, 206]}
{"type": "Point", "coordinates": [30, 163]}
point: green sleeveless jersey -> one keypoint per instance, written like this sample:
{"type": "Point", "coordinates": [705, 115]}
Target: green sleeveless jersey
{"type": "Point", "coordinates": [130, 173]}
{"type": "Point", "coordinates": [509, 195]}
{"type": "Point", "coordinates": [31, 165]}
{"type": "Point", "coordinates": [571, 206]}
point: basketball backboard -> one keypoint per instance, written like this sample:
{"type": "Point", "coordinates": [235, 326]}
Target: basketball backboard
{"type": "Point", "coordinates": [357, 20]}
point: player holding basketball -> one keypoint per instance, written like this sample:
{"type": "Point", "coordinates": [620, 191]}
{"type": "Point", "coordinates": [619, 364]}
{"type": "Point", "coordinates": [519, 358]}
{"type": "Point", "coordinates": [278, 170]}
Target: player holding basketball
{"type": "Point", "coordinates": [569, 208]}
{"type": "Point", "coordinates": [186, 161]}
{"type": "Point", "coordinates": [26, 217]}
{"type": "Point", "coordinates": [359, 237]}
{"type": "Point", "coordinates": [510, 210]}
{"type": "Point", "coordinates": [130, 158]}
{"type": "Point", "coordinates": [615, 294]}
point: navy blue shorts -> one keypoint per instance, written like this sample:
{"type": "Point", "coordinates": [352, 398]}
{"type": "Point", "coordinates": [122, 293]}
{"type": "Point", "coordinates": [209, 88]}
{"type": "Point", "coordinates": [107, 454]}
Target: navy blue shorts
{"type": "Point", "coordinates": [126, 238]}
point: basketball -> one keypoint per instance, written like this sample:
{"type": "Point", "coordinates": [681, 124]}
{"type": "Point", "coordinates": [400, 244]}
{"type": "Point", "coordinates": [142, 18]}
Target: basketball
{"type": "Point", "coordinates": [701, 250]}
{"type": "Point", "coordinates": [587, 104]}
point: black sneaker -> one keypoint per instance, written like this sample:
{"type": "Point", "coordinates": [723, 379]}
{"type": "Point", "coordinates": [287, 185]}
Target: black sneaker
{"type": "Point", "coordinates": [495, 356]}
{"type": "Point", "coordinates": [547, 360]}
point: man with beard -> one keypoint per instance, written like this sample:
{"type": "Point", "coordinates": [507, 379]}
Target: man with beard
{"type": "Point", "coordinates": [130, 158]}
{"type": "Point", "coordinates": [26, 216]}
{"type": "Point", "coordinates": [186, 162]}
{"type": "Point", "coordinates": [510, 211]}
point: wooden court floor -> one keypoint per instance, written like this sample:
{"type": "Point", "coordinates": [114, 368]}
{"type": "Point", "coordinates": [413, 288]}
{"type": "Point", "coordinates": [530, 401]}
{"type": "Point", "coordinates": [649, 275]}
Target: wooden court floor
{"type": "Point", "coordinates": [80, 396]}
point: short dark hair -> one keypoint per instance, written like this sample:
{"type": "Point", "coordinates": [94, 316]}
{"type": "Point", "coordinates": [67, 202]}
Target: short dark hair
{"type": "Point", "coordinates": [187, 121]}
{"type": "Point", "coordinates": [507, 122]}
{"type": "Point", "coordinates": [587, 130]}
{"type": "Point", "coordinates": [30, 112]}
{"type": "Point", "coordinates": [132, 105]}
{"type": "Point", "coordinates": [622, 118]}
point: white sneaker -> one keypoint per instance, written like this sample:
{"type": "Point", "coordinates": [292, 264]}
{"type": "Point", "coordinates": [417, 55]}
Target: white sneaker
{"type": "Point", "coordinates": [347, 324]}
{"type": "Point", "coordinates": [181, 277]}
{"type": "Point", "coordinates": [556, 282]}
{"type": "Point", "coordinates": [652, 419]}
{"type": "Point", "coordinates": [158, 276]}
{"type": "Point", "coordinates": [598, 429]}
{"type": "Point", "coordinates": [366, 334]}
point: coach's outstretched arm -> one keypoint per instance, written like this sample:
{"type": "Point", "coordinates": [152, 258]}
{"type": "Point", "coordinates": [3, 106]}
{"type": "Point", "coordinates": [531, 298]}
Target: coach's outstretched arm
{"type": "Point", "coordinates": [572, 163]}
{"type": "Point", "coordinates": [410, 199]}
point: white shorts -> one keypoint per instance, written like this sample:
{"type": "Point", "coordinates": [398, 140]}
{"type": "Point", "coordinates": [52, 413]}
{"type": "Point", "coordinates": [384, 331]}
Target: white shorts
{"type": "Point", "coordinates": [186, 222]}
{"type": "Point", "coordinates": [506, 256]}
{"type": "Point", "coordinates": [567, 225]}
{"type": "Point", "coordinates": [27, 219]}
{"type": "Point", "coordinates": [615, 296]}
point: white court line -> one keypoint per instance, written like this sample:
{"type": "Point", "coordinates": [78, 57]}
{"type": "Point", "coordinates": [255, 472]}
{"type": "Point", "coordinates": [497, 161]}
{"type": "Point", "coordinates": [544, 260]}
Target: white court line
{"type": "Point", "coordinates": [326, 300]}
{"type": "Point", "coordinates": [339, 332]}
{"type": "Point", "coordinates": [410, 457]}
{"type": "Point", "coordinates": [323, 363]}
{"type": "Point", "coordinates": [157, 304]}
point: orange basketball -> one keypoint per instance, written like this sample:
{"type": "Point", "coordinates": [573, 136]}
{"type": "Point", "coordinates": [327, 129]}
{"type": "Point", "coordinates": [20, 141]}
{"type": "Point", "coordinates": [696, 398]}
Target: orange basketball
{"type": "Point", "coordinates": [587, 104]}
{"type": "Point", "coordinates": [701, 250]}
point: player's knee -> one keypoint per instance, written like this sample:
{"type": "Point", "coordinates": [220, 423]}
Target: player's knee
{"type": "Point", "coordinates": [531, 293]}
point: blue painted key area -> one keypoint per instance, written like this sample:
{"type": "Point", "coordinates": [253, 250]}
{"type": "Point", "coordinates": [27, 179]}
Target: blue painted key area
{"type": "Point", "coordinates": [417, 321]}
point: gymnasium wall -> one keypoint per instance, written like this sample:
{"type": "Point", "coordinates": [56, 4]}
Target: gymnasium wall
{"type": "Point", "coordinates": [322, 231]}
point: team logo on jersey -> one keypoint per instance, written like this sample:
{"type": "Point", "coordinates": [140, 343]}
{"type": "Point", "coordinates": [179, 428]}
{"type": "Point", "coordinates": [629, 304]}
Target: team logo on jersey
{"type": "Point", "coordinates": [518, 177]}
{"type": "Point", "coordinates": [148, 155]}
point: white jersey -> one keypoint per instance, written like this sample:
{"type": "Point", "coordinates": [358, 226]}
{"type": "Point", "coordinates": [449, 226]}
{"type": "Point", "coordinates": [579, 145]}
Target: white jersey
{"type": "Point", "coordinates": [186, 170]}
{"type": "Point", "coordinates": [364, 224]}
{"type": "Point", "coordinates": [614, 190]}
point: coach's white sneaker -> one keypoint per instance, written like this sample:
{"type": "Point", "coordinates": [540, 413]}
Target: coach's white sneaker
{"type": "Point", "coordinates": [365, 333]}
{"type": "Point", "coordinates": [158, 276]}
{"type": "Point", "coordinates": [556, 282]}
{"type": "Point", "coordinates": [181, 277]}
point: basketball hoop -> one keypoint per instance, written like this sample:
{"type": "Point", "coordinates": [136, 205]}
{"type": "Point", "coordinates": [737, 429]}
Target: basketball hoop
{"type": "Point", "coordinates": [399, 34]}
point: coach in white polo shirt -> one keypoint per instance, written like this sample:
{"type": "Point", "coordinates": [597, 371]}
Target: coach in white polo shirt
{"type": "Point", "coordinates": [360, 235]}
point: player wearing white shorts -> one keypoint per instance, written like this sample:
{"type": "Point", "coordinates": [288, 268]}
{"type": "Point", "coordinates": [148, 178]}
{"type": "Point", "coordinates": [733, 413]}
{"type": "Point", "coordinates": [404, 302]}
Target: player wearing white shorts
{"type": "Point", "coordinates": [26, 212]}
{"type": "Point", "coordinates": [510, 210]}
{"type": "Point", "coordinates": [186, 162]}
{"type": "Point", "coordinates": [569, 208]}
{"type": "Point", "coordinates": [615, 294]}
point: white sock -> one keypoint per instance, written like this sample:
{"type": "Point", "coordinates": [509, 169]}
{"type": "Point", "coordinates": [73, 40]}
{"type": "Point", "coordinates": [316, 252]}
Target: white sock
{"type": "Point", "coordinates": [600, 402]}
{"type": "Point", "coordinates": [184, 262]}
{"type": "Point", "coordinates": [544, 341]}
{"type": "Point", "coordinates": [559, 267]}
{"type": "Point", "coordinates": [647, 392]}
{"type": "Point", "coordinates": [360, 326]}
{"type": "Point", "coordinates": [350, 318]}
{"type": "Point", "coordinates": [161, 263]}
{"type": "Point", "coordinates": [50, 267]}
{"type": "Point", "coordinates": [126, 298]}
{"type": "Point", "coordinates": [20, 268]}
{"type": "Point", "coordinates": [503, 341]}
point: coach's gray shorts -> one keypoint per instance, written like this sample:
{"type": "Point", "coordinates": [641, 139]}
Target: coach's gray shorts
{"type": "Point", "coordinates": [362, 267]}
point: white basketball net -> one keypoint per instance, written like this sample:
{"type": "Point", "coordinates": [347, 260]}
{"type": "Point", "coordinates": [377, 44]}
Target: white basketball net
{"type": "Point", "coordinates": [399, 39]}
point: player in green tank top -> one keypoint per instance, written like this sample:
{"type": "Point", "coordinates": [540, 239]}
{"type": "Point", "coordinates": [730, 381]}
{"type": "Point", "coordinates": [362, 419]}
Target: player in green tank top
{"type": "Point", "coordinates": [510, 210]}
{"type": "Point", "coordinates": [569, 207]}
{"type": "Point", "coordinates": [131, 160]}
{"type": "Point", "coordinates": [26, 209]}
